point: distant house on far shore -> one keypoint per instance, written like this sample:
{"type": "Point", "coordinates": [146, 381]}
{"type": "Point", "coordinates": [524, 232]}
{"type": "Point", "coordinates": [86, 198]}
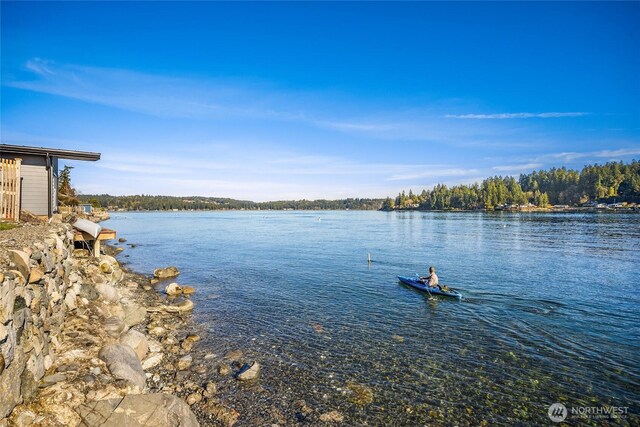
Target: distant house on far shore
{"type": "Point", "coordinates": [29, 178]}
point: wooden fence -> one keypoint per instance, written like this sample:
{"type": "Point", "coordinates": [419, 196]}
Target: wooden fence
{"type": "Point", "coordinates": [10, 189]}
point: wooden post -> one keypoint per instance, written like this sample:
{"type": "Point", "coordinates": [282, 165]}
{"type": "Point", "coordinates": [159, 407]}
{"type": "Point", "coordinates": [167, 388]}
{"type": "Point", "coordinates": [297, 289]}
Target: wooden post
{"type": "Point", "coordinates": [18, 189]}
{"type": "Point", "coordinates": [9, 189]}
{"type": "Point", "coordinates": [96, 247]}
{"type": "Point", "coordinates": [1, 188]}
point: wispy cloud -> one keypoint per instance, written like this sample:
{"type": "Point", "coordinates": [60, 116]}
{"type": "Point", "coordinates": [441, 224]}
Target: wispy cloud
{"type": "Point", "coordinates": [425, 171]}
{"type": "Point", "coordinates": [516, 168]}
{"type": "Point", "coordinates": [149, 94]}
{"type": "Point", "coordinates": [166, 96]}
{"type": "Point", "coordinates": [601, 154]}
{"type": "Point", "coordinates": [499, 116]}
{"type": "Point", "coordinates": [216, 99]}
{"type": "Point", "coordinates": [367, 127]}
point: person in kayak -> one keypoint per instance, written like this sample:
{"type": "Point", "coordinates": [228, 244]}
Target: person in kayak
{"type": "Point", "coordinates": [432, 279]}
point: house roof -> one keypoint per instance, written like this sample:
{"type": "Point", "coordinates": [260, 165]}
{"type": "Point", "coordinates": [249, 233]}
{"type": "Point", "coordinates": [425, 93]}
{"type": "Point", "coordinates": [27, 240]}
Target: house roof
{"type": "Point", "coordinates": [54, 152]}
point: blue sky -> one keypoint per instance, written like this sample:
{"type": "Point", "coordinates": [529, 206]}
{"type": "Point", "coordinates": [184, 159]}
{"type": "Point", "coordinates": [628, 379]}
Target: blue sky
{"type": "Point", "coordinates": [268, 101]}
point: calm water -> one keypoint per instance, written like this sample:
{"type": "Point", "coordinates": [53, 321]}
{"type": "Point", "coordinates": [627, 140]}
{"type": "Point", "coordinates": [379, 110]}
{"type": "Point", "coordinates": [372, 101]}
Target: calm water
{"type": "Point", "coordinates": [551, 310]}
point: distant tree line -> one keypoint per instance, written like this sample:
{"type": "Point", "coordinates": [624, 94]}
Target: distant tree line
{"type": "Point", "coordinates": [594, 183]}
{"type": "Point", "coordinates": [557, 186]}
{"type": "Point", "coordinates": [148, 202]}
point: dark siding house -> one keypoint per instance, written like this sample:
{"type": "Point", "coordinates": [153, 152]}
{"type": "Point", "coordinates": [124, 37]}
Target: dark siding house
{"type": "Point", "coordinates": [39, 175]}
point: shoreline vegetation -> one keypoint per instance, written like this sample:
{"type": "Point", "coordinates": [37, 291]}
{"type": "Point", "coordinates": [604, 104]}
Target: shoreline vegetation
{"type": "Point", "coordinates": [614, 186]}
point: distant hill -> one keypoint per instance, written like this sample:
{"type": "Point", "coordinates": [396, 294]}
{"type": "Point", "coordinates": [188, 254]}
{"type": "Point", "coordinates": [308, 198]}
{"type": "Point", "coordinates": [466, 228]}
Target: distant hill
{"type": "Point", "coordinates": [148, 202]}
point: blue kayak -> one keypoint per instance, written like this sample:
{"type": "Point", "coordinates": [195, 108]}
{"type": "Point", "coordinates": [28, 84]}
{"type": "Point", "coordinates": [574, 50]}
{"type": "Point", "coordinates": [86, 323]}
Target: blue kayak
{"type": "Point", "coordinates": [415, 283]}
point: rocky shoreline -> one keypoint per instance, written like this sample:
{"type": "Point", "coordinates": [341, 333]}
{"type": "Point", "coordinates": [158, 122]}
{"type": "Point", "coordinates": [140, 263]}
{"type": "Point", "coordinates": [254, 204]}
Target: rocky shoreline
{"type": "Point", "coordinates": [86, 342]}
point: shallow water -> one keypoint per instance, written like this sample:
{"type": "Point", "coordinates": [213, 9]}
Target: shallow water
{"type": "Point", "coordinates": [550, 313]}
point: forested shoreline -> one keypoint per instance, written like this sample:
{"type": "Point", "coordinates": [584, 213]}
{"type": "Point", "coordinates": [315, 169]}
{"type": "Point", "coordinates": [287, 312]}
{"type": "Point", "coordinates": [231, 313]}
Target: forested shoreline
{"type": "Point", "coordinates": [611, 182]}
{"type": "Point", "coordinates": [608, 183]}
{"type": "Point", "coordinates": [152, 203]}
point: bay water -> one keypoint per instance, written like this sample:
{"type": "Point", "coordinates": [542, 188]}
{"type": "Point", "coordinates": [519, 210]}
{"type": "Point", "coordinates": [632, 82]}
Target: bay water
{"type": "Point", "coordinates": [550, 313]}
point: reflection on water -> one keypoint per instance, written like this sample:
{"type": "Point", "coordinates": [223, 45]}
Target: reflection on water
{"type": "Point", "coordinates": [550, 312]}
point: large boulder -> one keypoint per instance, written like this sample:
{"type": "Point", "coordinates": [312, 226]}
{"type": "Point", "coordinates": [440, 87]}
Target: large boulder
{"type": "Point", "coordinates": [137, 341]}
{"type": "Point", "coordinates": [21, 260]}
{"type": "Point", "coordinates": [10, 384]}
{"type": "Point", "coordinates": [108, 292]}
{"type": "Point", "coordinates": [111, 261]}
{"type": "Point", "coordinates": [114, 326]}
{"type": "Point", "coordinates": [173, 289]}
{"type": "Point", "coordinates": [138, 410]}
{"type": "Point", "coordinates": [134, 314]}
{"type": "Point", "coordinates": [166, 273]}
{"type": "Point", "coordinates": [123, 363]}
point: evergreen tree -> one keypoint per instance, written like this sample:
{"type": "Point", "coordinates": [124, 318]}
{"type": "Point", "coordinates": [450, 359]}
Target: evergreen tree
{"type": "Point", "coordinates": [66, 192]}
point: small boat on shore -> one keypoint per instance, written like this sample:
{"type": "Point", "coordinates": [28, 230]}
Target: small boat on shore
{"type": "Point", "coordinates": [417, 284]}
{"type": "Point", "coordinates": [87, 226]}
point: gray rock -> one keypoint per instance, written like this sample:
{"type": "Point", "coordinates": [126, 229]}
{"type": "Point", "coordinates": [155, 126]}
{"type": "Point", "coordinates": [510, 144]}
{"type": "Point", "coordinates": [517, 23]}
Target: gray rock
{"type": "Point", "coordinates": [166, 273]}
{"type": "Point", "coordinates": [187, 345]}
{"type": "Point", "coordinates": [109, 260]}
{"type": "Point", "coordinates": [138, 410]}
{"type": "Point", "coordinates": [194, 398]}
{"type": "Point", "coordinates": [211, 389]}
{"type": "Point", "coordinates": [137, 341]}
{"type": "Point", "coordinates": [152, 361]}
{"type": "Point", "coordinates": [185, 362]}
{"type": "Point", "coordinates": [35, 275]}
{"type": "Point", "coordinates": [35, 365]}
{"type": "Point", "coordinates": [181, 307]}
{"type": "Point", "coordinates": [114, 326]}
{"type": "Point", "coordinates": [7, 300]}
{"type": "Point", "coordinates": [123, 363]}
{"type": "Point", "coordinates": [24, 419]}
{"type": "Point", "coordinates": [89, 292]}
{"type": "Point", "coordinates": [74, 277]}
{"type": "Point", "coordinates": [53, 379]}
{"type": "Point", "coordinates": [21, 260]}
{"type": "Point", "coordinates": [173, 289]}
{"type": "Point", "coordinates": [70, 300]}
{"type": "Point", "coordinates": [107, 292]}
{"type": "Point", "coordinates": [134, 314]}
{"type": "Point", "coordinates": [10, 383]}
{"type": "Point", "coordinates": [249, 372]}
{"type": "Point", "coordinates": [157, 331]}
